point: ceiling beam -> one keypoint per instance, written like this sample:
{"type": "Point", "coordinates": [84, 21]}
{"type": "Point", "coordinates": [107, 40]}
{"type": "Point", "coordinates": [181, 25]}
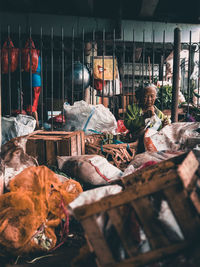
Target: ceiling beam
{"type": "Point", "coordinates": [148, 8]}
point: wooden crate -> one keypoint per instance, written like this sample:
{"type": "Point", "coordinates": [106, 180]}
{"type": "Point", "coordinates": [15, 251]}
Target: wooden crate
{"type": "Point", "coordinates": [175, 180]}
{"type": "Point", "coordinates": [46, 146]}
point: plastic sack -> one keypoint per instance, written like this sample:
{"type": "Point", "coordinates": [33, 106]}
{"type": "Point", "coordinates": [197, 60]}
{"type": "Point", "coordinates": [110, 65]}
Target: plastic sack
{"type": "Point", "coordinates": [154, 122]}
{"type": "Point", "coordinates": [28, 51]}
{"type": "Point", "coordinates": [172, 137]}
{"type": "Point", "coordinates": [9, 50]}
{"type": "Point", "coordinates": [17, 126]}
{"type": "Point", "coordinates": [143, 158]}
{"type": "Point", "coordinates": [86, 117]}
{"type": "Point", "coordinates": [90, 196]}
{"type": "Point", "coordinates": [90, 169]}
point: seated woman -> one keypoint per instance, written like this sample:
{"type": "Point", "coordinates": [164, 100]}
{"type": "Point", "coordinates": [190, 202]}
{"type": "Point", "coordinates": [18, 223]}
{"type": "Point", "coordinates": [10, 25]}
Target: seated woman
{"type": "Point", "coordinates": [137, 117]}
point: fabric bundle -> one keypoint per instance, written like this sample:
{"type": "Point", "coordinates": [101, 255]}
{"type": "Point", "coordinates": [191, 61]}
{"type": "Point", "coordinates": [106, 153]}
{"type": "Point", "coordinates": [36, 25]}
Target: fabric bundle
{"type": "Point", "coordinates": [32, 209]}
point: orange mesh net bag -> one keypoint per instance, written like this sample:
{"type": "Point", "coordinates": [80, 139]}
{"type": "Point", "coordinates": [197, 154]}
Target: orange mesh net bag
{"type": "Point", "coordinates": [36, 204]}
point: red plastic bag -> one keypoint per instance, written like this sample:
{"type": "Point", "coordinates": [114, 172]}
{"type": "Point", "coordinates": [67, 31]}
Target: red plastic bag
{"type": "Point", "coordinates": [121, 128]}
{"type": "Point", "coordinates": [10, 51]}
{"type": "Point", "coordinates": [98, 84]}
{"type": "Point", "coordinates": [26, 52]}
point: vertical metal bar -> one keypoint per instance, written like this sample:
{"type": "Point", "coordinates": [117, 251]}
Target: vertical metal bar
{"type": "Point", "coordinates": [46, 84]}
{"type": "Point", "coordinates": [176, 66]}
{"type": "Point", "coordinates": [189, 71]}
{"type": "Point", "coordinates": [0, 95]}
{"type": "Point", "coordinates": [198, 70]}
{"type": "Point", "coordinates": [52, 80]}
{"type": "Point", "coordinates": [143, 57]}
{"type": "Point", "coordinates": [63, 69]}
{"type": "Point", "coordinates": [93, 49]}
{"type": "Point", "coordinates": [133, 67]}
{"type": "Point", "coordinates": [83, 61]}
{"type": "Point", "coordinates": [103, 55]}
{"type": "Point", "coordinates": [20, 71]}
{"type": "Point", "coordinates": [123, 79]}
{"type": "Point", "coordinates": [41, 73]}
{"type": "Point", "coordinates": [30, 70]}
{"type": "Point", "coordinates": [163, 69]}
{"type": "Point", "coordinates": [9, 73]}
{"type": "Point", "coordinates": [153, 57]}
{"type": "Point", "coordinates": [59, 83]}
{"type": "Point", "coordinates": [72, 66]}
{"type": "Point", "coordinates": [113, 78]}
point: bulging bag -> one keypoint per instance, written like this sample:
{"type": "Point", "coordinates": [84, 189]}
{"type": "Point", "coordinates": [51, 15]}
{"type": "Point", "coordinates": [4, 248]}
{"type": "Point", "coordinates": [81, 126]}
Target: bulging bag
{"type": "Point", "coordinates": [30, 56]}
{"type": "Point", "coordinates": [9, 54]}
{"type": "Point", "coordinates": [89, 118]}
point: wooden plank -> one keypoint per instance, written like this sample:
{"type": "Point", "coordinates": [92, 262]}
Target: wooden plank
{"type": "Point", "coordinates": [73, 146]}
{"type": "Point", "coordinates": [82, 143]}
{"type": "Point", "coordinates": [153, 172]}
{"type": "Point", "coordinates": [117, 220]}
{"type": "Point", "coordinates": [152, 256]}
{"type": "Point", "coordinates": [97, 241]}
{"type": "Point", "coordinates": [131, 193]}
{"type": "Point", "coordinates": [183, 211]}
{"type": "Point", "coordinates": [62, 148]}
{"type": "Point", "coordinates": [31, 148]}
{"type": "Point", "coordinates": [151, 226]}
{"type": "Point", "coordinates": [187, 169]}
{"type": "Point", "coordinates": [78, 144]}
{"type": "Point", "coordinates": [50, 153]}
{"type": "Point", "coordinates": [150, 173]}
{"type": "Point", "coordinates": [41, 151]}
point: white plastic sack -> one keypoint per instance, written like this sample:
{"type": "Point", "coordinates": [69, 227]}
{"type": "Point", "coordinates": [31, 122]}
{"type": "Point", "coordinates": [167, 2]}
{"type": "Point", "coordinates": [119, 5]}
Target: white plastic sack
{"type": "Point", "coordinates": [83, 116]}
{"type": "Point", "coordinates": [172, 137]}
{"type": "Point", "coordinates": [92, 169]}
{"type": "Point", "coordinates": [90, 196]}
{"type": "Point", "coordinates": [142, 158]}
{"type": "Point", "coordinates": [17, 126]}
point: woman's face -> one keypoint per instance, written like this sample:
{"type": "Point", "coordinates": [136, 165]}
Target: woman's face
{"type": "Point", "coordinates": [149, 97]}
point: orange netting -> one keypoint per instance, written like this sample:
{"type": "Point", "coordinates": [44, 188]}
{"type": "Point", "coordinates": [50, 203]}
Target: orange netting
{"type": "Point", "coordinates": [29, 213]}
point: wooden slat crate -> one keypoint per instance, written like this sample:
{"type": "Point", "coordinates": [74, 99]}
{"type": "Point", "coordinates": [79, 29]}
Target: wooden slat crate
{"type": "Point", "coordinates": [46, 146]}
{"type": "Point", "coordinates": [173, 180]}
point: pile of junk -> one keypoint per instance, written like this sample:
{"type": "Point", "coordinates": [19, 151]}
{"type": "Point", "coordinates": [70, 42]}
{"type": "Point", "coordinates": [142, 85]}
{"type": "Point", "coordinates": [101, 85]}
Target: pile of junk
{"type": "Point", "coordinates": [103, 202]}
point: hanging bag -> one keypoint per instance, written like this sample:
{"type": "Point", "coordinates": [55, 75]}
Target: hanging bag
{"type": "Point", "coordinates": [28, 51]}
{"type": "Point", "coordinates": [10, 55]}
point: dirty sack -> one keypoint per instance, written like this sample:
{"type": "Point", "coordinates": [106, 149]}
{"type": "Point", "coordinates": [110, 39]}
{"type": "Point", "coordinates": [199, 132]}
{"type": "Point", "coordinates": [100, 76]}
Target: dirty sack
{"type": "Point", "coordinates": [148, 158]}
{"type": "Point", "coordinates": [87, 117]}
{"type": "Point", "coordinates": [32, 209]}
{"type": "Point", "coordinates": [14, 159]}
{"type": "Point", "coordinates": [90, 169]}
{"type": "Point", "coordinates": [172, 137]}
{"type": "Point", "coordinates": [16, 126]}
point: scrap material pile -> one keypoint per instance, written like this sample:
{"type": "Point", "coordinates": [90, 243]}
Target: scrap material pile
{"type": "Point", "coordinates": [135, 208]}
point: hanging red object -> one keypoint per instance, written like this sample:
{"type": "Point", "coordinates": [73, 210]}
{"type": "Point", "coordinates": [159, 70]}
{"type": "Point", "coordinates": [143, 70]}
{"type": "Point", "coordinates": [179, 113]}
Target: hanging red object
{"type": "Point", "coordinates": [10, 56]}
{"type": "Point", "coordinates": [30, 56]}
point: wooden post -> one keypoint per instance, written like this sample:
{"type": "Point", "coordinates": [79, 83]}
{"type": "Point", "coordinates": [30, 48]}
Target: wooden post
{"type": "Point", "coordinates": [176, 66]}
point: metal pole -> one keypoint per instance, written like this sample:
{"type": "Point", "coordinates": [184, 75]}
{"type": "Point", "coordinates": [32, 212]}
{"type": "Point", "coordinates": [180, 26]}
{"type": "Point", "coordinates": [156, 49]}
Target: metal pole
{"type": "Point", "coordinates": [176, 66]}
{"type": "Point", "coordinates": [0, 95]}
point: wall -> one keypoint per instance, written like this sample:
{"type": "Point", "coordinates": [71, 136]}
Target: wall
{"type": "Point", "coordinates": [90, 24]}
